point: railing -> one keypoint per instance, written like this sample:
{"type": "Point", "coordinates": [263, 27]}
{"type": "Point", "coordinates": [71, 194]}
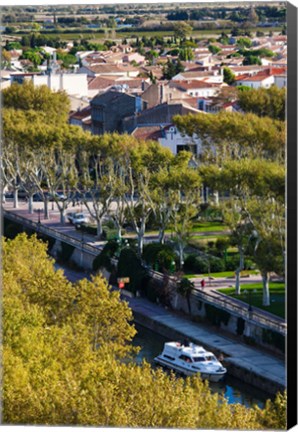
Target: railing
{"type": "Point", "coordinates": [241, 309]}
{"type": "Point", "coordinates": [38, 227]}
{"type": "Point", "coordinates": [234, 306]}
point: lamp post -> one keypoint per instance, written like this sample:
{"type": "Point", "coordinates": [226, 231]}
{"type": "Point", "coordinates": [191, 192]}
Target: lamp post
{"type": "Point", "coordinates": [250, 309]}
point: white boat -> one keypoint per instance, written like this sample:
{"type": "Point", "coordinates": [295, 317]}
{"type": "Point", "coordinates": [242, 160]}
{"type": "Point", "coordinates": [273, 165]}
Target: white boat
{"type": "Point", "coordinates": [191, 359]}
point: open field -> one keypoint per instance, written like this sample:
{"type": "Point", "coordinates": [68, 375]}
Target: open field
{"type": "Point", "coordinates": [133, 33]}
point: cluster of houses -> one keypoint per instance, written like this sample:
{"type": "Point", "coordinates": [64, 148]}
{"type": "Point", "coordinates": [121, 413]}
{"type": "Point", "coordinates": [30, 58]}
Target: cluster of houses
{"type": "Point", "coordinates": [119, 90]}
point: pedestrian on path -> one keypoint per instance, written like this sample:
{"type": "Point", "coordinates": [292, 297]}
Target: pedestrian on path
{"type": "Point", "coordinates": [203, 283]}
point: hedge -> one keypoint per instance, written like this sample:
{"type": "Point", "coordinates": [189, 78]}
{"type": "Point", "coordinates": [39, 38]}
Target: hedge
{"type": "Point", "coordinates": [130, 265]}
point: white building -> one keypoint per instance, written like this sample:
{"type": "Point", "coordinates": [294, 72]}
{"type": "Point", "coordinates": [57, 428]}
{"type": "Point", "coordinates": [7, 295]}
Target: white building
{"type": "Point", "coordinates": [172, 139]}
{"type": "Point", "coordinates": [257, 81]}
{"type": "Point", "coordinates": [72, 84]}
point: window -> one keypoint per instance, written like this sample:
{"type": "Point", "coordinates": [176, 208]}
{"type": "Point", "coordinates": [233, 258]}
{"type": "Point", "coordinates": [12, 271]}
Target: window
{"type": "Point", "coordinates": [169, 357]}
{"type": "Point", "coordinates": [185, 358]}
{"type": "Point", "coordinates": [199, 359]}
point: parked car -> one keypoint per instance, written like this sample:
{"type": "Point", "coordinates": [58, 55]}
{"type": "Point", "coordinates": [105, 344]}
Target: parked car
{"type": "Point", "coordinates": [59, 196]}
{"type": "Point", "coordinates": [77, 218]}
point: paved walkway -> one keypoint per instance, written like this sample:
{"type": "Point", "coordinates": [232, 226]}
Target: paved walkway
{"type": "Point", "coordinates": [248, 358]}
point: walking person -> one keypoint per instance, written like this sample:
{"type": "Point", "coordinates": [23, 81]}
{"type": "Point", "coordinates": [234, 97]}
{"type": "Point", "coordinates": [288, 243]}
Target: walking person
{"type": "Point", "coordinates": [203, 283]}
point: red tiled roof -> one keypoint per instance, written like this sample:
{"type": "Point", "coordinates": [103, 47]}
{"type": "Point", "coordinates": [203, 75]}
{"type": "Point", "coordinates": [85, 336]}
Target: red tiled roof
{"type": "Point", "coordinates": [257, 77]}
{"type": "Point", "coordinates": [111, 68]}
{"type": "Point", "coordinates": [147, 133]}
{"type": "Point", "coordinates": [81, 114]}
{"type": "Point", "coordinates": [196, 84]}
{"type": "Point", "coordinates": [99, 82]}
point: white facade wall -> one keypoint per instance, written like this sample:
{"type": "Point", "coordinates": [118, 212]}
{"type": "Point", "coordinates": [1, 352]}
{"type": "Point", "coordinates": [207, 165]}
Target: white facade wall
{"type": "Point", "coordinates": [280, 81]}
{"type": "Point", "coordinates": [72, 84]}
{"type": "Point", "coordinates": [173, 139]}
{"type": "Point", "coordinates": [203, 92]}
{"type": "Point", "coordinates": [267, 82]}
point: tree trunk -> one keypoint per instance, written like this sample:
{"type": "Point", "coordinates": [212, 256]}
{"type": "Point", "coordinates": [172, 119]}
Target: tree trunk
{"type": "Point", "coordinates": [16, 199]}
{"type": "Point", "coordinates": [266, 292]}
{"type": "Point", "coordinates": [99, 228]}
{"type": "Point", "coordinates": [238, 271]}
{"type": "Point", "coordinates": [216, 198]}
{"type": "Point", "coordinates": [140, 244]}
{"type": "Point", "coordinates": [161, 235]}
{"type": "Point", "coordinates": [181, 256]}
{"type": "Point", "coordinates": [62, 216]}
{"type": "Point", "coordinates": [30, 204]}
{"type": "Point", "coordinates": [46, 208]}
{"type": "Point", "coordinates": [119, 233]}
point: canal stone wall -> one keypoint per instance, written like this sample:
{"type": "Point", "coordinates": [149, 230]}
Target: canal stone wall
{"type": "Point", "coordinates": [204, 306]}
{"type": "Point", "coordinates": [237, 367]}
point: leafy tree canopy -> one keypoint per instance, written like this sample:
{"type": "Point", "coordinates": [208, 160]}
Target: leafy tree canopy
{"type": "Point", "coordinates": [269, 102]}
{"type": "Point", "coordinates": [62, 345]}
{"type": "Point", "coordinates": [54, 105]}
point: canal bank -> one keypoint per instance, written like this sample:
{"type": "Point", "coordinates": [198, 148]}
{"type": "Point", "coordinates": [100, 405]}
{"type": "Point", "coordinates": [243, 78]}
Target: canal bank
{"type": "Point", "coordinates": [250, 365]}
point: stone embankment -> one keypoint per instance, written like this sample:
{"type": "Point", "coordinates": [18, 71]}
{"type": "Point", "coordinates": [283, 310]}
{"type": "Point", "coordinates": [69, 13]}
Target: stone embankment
{"type": "Point", "coordinates": [250, 364]}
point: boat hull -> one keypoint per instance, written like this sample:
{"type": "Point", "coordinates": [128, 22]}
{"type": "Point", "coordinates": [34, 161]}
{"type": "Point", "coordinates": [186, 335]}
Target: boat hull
{"type": "Point", "coordinates": [213, 376]}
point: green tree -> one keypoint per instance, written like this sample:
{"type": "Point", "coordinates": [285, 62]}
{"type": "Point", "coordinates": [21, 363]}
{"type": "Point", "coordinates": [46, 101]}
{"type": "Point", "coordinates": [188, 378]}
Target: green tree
{"type": "Point", "coordinates": [185, 288]}
{"type": "Point", "coordinates": [54, 106]}
{"type": "Point", "coordinates": [182, 30]}
{"type": "Point", "coordinates": [264, 102]}
{"type": "Point", "coordinates": [214, 49]}
{"type": "Point", "coordinates": [244, 42]}
{"type": "Point", "coordinates": [251, 60]}
{"type": "Point", "coordinates": [235, 135]}
{"type": "Point", "coordinates": [229, 76]}
{"type": "Point", "coordinates": [64, 347]}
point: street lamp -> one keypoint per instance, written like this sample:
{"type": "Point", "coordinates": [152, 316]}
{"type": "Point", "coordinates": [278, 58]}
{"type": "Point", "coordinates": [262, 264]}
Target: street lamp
{"type": "Point", "coordinates": [250, 309]}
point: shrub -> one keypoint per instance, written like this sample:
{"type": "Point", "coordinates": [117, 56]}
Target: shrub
{"type": "Point", "coordinates": [232, 262]}
{"type": "Point", "coordinates": [221, 246]}
{"type": "Point", "coordinates": [190, 263]}
{"type": "Point", "coordinates": [249, 264]}
{"type": "Point", "coordinates": [201, 265]}
{"type": "Point", "coordinates": [104, 258]}
{"type": "Point", "coordinates": [216, 264]}
{"type": "Point", "coordinates": [129, 265]}
{"type": "Point", "coordinates": [165, 259]}
{"type": "Point", "coordinates": [152, 250]}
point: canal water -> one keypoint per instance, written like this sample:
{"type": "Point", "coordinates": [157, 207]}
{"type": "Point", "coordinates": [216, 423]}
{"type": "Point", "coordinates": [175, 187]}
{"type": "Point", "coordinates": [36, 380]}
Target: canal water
{"type": "Point", "coordinates": [231, 388]}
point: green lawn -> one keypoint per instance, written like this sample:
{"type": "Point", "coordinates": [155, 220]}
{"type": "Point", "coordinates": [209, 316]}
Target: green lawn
{"type": "Point", "coordinates": [277, 296]}
{"type": "Point", "coordinates": [209, 226]}
{"type": "Point", "coordinates": [196, 240]}
{"type": "Point", "coordinates": [225, 274]}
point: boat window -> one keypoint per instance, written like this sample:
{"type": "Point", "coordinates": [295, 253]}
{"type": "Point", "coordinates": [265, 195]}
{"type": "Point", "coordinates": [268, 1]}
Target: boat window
{"type": "Point", "coordinates": [169, 357]}
{"type": "Point", "coordinates": [198, 359]}
{"type": "Point", "coordinates": [210, 358]}
{"type": "Point", "coordinates": [186, 358]}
